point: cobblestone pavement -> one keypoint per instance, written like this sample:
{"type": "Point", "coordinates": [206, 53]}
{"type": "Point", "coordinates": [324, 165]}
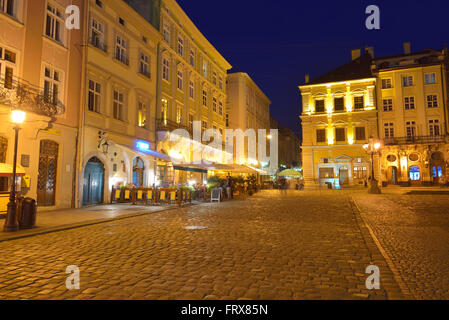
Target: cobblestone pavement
{"type": "Point", "coordinates": [414, 232]}
{"type": "Point", "coordinates": [306, 245]}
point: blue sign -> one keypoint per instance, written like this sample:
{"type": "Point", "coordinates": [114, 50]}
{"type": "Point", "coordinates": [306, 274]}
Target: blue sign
{"type": "Point", "coordinates": [143, 146]}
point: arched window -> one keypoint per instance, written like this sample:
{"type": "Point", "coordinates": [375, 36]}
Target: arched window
{"type": "Point", "coordinates": [3, 149]}
{"type": "Point", "coordinates": [138, 172]}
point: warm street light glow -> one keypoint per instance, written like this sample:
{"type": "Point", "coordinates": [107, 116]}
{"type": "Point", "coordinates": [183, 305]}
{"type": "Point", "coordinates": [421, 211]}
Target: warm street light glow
{"type": "Point", "coordinates": [377, 146]}
{"type": "Point", "coordinates": [18, 117]}
{"type": "Point", "coordinates": [366, 146]}
{"type": "Point", "coordinates": [269, 137]}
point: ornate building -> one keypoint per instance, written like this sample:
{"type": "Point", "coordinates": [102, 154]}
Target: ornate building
{"type": "Point", "coordinates": [413, 111]}
{"type": "Point", "coordinates": [339, 116]}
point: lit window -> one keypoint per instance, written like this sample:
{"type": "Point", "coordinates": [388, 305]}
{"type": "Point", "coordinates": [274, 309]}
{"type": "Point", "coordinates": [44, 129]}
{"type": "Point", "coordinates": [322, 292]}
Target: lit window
{"type": "Point", "coordinates": [178, 114]}
{"type": "Point", "coordinates": [94, 96]}
{"type": "Point", "coordinates": [118, 105]}
{"type": "Point", "coordinates": [164, 110]}
{"type": "Point", "coordinates": [142, 115]}
{"type": "Point", "coordinates": [54, 23]}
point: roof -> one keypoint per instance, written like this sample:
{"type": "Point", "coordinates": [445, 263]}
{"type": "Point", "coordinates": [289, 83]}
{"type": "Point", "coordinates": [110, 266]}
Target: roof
{"type": "Point", "coordinates": [359, 68]}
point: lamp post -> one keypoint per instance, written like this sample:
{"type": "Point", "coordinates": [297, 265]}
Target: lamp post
{"type": "Point", "coordinates": [372, 148]}
{"type": "Point", "coordinates": [11, 224]}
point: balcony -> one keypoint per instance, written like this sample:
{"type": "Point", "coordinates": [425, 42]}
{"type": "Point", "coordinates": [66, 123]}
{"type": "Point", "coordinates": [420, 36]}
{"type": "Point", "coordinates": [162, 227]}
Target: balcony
{"type": "Point", "coordinates": [414, 140]}
{"type": "Point", "coordinates": [19, 94]}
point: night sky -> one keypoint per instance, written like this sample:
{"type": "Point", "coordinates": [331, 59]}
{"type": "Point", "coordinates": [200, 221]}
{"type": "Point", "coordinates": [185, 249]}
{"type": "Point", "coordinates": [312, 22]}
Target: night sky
{"type": "Point", "coordinates": [278, 42]}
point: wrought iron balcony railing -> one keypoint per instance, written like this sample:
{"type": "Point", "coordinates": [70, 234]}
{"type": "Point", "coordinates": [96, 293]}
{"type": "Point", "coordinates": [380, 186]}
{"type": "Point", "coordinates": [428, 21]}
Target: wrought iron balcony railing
{"type": "Point", "coordinates": [19, 94]}
{"type": "Point", "coordinates": [414, 140]}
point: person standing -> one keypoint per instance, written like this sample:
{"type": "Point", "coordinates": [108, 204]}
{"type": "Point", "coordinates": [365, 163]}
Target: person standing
{"type": "Point", "coordinates": [229, 187]}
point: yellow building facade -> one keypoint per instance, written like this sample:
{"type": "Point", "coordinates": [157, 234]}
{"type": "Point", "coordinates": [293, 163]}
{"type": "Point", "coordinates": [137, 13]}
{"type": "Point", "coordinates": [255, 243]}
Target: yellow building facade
{"type": "Point", "coordinates": [191, 87]}
{"type": "Point", "coordinates": [247, 107]}
{"type": "Point", "coordinates": [412, 95]}
{"type": "Point", "coordinates": [40, 74]}
{"type": "Point", "coordinates": [339, 116]}
{"type": "Point", "coordinates": [118, 112]}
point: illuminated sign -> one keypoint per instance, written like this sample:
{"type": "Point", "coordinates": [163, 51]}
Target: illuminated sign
{"type": "Point", "coordinates": [143, 146]}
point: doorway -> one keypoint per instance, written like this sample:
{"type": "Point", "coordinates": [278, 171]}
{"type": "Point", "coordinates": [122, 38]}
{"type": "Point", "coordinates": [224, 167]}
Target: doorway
{"type": "Point", "coordinates": [93, 182]}
{"type": "Point", "coordinates": [392, 175]}
{"type": "Point", "coordinates": [344, 176]}
{"type": "Point", "coordinates": [48, 168]}
{"type": "Point", "coordinates": [438, 168]}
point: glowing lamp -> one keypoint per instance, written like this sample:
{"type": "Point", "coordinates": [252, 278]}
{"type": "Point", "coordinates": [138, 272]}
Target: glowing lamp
{"type": "Point", "coordinates": [18, 117]}
{"type": "Point", "coordinates": [377, 146]}
{"type": "Point", "coordinates": [366, 146]}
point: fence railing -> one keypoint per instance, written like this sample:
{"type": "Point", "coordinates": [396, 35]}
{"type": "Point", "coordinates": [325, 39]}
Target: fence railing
{"type": "Point", "coordinates": [414, 140]}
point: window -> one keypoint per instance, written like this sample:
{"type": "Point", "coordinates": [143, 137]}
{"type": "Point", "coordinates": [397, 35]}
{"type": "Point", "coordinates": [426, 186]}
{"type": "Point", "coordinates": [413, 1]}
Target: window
{"type": "Point", "coordinates": [339, 104]}
{"type": "Point", "coordinates": [220, 107]}
{"type": "Point", "coordinates": [204, 97]}
{"type": "Point", "coordinates": [321, 135]}
{"type": "Point", "coordinates": [415, 174]}
{"type": "Point", "coordinates": [138, 172]}
{"type": "Point", "coordinates": [118, 105]}
{"type": "Point", "coordinates": [178, 114]}
{"type": "Point", "coordinates": [205, 69]}
{"type": "Point", "coordinates": [180, 79]}
{"type": "Point", "coordinates": [434, 128]}
{"type": "Point", "coordinates": [8, 7]}
{"type": "Point", "coordinates": [142, 115]}
{"type": "Point", "coordinates": [227, 120]}
{"type": "Point", "coordinates": [430, 78]}
{"type": "Point", "coordinates": [165, 69]}
{"type": "Point", "coordinates": [407, 81]}
{"type": "Point", "coordinates": [360, 134]}
{"type": "Point", "coordinates": [97, 34]}
{"type": "Point", "coordinates": [326, 173]}
{"type": "Point", "coordinates": [410, 128]}
{"type": "Point", "coordinates": [164, 111]}
{"type": "Point", "coordinates": [8, 67]}
{"type": "Point", "coordinates": [94, 96]}
{"type": "Point", "coordinates": [409, 103]}
{"type": "Point", "coordinates": [214, 104]}
{"type": "Point", "coordinates": [191, 122]}
{"type": "Point", "coordinates": [166, 33]}
{"type": "Point", "coordinates": [389, 129]}
{"type": "Point", "coordinates": [121, 21]}
{"type": "Point", "coordinates": [181, 47]}
{"type": "Point", "coordinates": [144, 65]}
{"type": "Point", "coordinates": [192, 89]}
{"type": "Point", "coordinates": [432, 101]}
{"type": "Point", "coordinates": [359, 102]}
{"type": "Point", "coordinates": [3, 149]}
{"type": "Point", "coordinates": [220, 82]}
{"type": "Point", "coordinates": [99, 3]}
{"type": "Point", "coordinates": [121, 47]}
{"type": "Point", "coordinates": [360, 172]}
{"type": "Point", "coordinates": [386, 83]}
{"type": "Point", "coordinates": [319, 106]}
{"type": "Point", "coordinates": [340, 134]}
{"type": "Point", "coordinates": [54, 23]}
{"type": "Point", "coordinates": [214, 78]}
{"type": "Point", "coordinates": [387, 104]}
{"type": "Point", "coordinates": [52, 82]}
{"type": "Point", "coordinates": [192, 58]}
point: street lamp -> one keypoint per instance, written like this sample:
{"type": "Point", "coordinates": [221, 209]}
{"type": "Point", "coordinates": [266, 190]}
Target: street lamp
{"type": "Point", "coordinates": [372, 148]}
{"type": "Point", "coordinates": [11, 224]}
{"type": "Point", "coordinates": [269, 137]}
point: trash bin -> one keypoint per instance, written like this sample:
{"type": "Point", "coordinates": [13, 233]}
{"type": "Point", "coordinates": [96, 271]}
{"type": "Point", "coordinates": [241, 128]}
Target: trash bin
{"type": "Point", "coordinates": [27, 213]}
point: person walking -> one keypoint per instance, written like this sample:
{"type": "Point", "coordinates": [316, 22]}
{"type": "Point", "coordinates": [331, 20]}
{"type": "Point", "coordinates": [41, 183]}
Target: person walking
{"type": "Point", "coordinates": [229, 187]}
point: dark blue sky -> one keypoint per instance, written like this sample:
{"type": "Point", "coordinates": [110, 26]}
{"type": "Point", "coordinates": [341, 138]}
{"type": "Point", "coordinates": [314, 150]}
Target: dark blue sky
{"type": "Point", "coordinates": [278, 42]}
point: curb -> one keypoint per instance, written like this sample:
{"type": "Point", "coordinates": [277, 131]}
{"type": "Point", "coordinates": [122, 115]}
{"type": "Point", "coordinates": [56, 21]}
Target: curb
{"type": "Point", "coordinates": [86, 224]}
{"type": "Point", "coordinates": [397, 276]}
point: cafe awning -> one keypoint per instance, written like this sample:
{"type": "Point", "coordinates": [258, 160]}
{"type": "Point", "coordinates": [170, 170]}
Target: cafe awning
{"type": "Point", "coordinates": [6, 170]}
{"type": "Point", "coordinates": [290, 173]}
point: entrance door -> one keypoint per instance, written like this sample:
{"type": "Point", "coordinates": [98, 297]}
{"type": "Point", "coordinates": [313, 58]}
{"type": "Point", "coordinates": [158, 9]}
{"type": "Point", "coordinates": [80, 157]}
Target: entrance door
{"type": "Point", "coordinates": [93, 182]}
{"type": "Point", "coordinates": [344, 176]}
{"type": "Point", "coordinates": [48, 167]}
{"type": "Point", "coordinates": [392, 175]}
{"type": "Point", "coordinates": [438, 167]}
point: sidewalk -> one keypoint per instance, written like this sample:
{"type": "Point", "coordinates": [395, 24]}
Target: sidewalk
{"type": "Point", "coordinates": [64, 219]}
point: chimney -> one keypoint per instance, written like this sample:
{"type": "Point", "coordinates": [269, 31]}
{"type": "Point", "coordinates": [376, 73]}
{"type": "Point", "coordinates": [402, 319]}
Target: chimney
{"type": "Point", "coordinates": [407, 48]}
{"type": "Point", "coordinates": [307, 78]}
{"type": "Point", "coordinates": [355, 54]}
{"type": "Point", "coordinates": [370, 51]}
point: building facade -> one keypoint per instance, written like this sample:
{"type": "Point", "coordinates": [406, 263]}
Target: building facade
{"type": "Point", "coordinates": [413, 110]}
{"type": "Point", "coordinates": [289, 149]}
{"type": "Point", "coordinates": [118, 111]}
{"type": "Point", "coordinates": [40, 74]}
{"type": "Point", "coordinates": [191, 88]}
{"type": "Point", "coordinates": [247, 107]}
{"type": "Point", "coordinates": [339, 116]}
